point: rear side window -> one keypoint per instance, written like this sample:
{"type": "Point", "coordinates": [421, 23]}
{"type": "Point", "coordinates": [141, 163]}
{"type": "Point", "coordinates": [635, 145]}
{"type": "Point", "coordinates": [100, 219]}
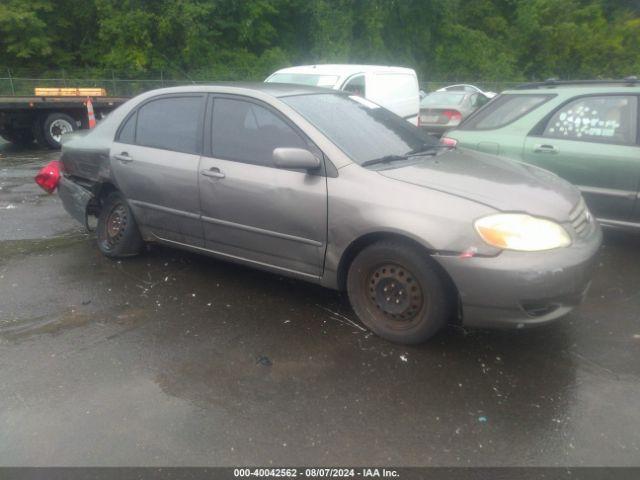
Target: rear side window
{"type": "Point", "coordinates": [602, 119]}
{"type": "Point", "coordinates": [503, 111]}
{"type": "Point", "coordinates": [246, 132]}
{"type": "Point", "coordinates": [171, 123]}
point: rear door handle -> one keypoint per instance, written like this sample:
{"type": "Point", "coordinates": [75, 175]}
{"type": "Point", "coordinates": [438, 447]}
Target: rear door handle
{"type": "Point", "coordinates": [544, 148]}
{"type": "Point", "coordinates": [123, 157]}
{"type": "Point", "coordinates": [213, 172]}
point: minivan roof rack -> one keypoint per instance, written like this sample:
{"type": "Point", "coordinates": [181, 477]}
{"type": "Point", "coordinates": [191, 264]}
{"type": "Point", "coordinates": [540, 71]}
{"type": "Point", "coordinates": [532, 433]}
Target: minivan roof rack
{"type": "Point", "coordinates": [553, 82]}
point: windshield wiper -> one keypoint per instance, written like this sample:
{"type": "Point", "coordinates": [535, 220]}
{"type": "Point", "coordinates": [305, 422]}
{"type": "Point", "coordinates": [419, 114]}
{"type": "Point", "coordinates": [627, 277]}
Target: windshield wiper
{"type": "Point", "coordinates": [423, 150]}
{"type": "Point", "coordinates": [385, 159]}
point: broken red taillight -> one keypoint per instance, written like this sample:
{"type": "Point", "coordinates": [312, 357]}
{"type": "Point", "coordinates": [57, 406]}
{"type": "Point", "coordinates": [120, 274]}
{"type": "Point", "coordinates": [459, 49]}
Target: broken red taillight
{"type": "Point", "coordinates": [49, 176]}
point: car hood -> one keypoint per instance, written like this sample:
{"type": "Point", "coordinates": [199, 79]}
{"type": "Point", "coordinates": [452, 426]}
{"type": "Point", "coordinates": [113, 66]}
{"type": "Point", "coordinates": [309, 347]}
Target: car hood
{"type": "Point", "coordinates": [505, 185]}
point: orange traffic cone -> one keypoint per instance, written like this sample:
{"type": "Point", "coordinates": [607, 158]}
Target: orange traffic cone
{"type": "Point", "coordinates": [92, 117]}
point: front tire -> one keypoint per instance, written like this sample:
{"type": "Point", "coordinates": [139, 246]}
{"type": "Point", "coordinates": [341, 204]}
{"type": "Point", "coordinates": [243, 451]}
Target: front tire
{"type": "Point", "coordinates": [117, 232]}
{"type": "Point", "coordinates": [398, 293]}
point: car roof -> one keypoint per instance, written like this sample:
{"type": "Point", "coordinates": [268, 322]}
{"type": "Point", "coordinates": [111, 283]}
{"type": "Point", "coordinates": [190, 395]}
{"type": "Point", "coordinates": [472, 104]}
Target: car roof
{"type": "Point", "coordinates": [344, 69]}
{"type": "Point", "coordinates": [272, 89]}
{"type": "Point", "coordinates": [577, 89]}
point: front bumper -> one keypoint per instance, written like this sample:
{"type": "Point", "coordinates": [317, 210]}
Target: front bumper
{"type": "Point", "coordinates": [519, 289]}
{"type": "Point", "coordinates": [74, 198]}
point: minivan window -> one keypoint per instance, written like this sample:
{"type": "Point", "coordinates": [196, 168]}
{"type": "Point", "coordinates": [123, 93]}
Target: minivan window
{"type": "Point", "coordinates": [361, 129]}
{"type": "Point", "coordinates": [504, 110]}
{"type": "Point", "coordinates": [171, 123]}
{"type": "Point", "coordinates": [602, 119]}
{"type": "Point", "coordinates": [246, 132]}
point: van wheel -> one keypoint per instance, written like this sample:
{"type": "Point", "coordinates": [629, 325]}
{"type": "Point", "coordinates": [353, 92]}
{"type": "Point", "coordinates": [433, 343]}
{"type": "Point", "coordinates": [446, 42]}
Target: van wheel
{"type": "Point", "coordinates": [117, 231]}
{"type": "Point", "coordinates": [396, 291]}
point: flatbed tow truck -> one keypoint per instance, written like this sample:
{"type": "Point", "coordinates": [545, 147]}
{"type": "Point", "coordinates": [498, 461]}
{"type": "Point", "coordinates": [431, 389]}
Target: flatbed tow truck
{"type": "Point", "coordinates": [50, 113]}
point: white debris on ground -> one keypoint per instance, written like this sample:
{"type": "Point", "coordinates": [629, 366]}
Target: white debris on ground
{"type": "Point", "coordinates": [404, 357]}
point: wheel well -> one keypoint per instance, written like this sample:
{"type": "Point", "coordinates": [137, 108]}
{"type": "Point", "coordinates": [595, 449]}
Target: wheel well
{"type": "Point", "coordinates": [363, 242]}
{"type": "Point", "coordinates": [101, 191]}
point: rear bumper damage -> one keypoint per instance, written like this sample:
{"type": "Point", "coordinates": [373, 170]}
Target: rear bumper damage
{"type": "Point", "coordinates": [75, 199]}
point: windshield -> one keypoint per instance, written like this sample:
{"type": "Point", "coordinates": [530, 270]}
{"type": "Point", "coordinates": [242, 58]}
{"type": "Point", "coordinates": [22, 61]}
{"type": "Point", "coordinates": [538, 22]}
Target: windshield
{"type": "Point", "coordinates": [315, 80]}
{"type": "Point", "coordinates": [360, 128]}
{"type": "Point", "coordinates": [442, 98]}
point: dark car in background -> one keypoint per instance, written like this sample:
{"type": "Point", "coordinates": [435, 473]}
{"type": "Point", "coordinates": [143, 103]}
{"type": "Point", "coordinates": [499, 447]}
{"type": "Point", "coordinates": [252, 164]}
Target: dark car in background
{"type": "Point", "coordinates": [443, 110]}
{"type": "Point", "coordinates": [333, 189]}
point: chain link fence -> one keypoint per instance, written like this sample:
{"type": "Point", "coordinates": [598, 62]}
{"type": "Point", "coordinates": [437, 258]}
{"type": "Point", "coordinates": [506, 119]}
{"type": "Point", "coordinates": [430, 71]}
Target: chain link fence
{"type": "Point", "coordinates": [124, 84]}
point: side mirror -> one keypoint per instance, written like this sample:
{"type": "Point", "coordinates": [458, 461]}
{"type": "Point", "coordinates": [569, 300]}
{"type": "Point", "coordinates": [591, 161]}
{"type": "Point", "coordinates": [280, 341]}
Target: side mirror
{"type": "Point", "coordinates": [295, 158]}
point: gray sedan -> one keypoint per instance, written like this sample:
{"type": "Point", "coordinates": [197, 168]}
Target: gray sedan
{"type": "Point", "coordinates": [443, 110]}
{"type": "Point", "coordinates": [335, 190]}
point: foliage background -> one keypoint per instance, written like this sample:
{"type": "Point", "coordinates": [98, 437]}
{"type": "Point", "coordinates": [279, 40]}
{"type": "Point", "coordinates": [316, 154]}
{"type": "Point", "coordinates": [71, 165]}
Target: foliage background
{"type": "Point", "coordinates": [248, 39]}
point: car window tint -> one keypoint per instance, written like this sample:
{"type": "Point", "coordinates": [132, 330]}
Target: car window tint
{"type": "Point", "coordinates": [605, 119]}
{"type": "Point", "coordinates": [246, 132]}
{"type": "Point", "coordinates": [128, 130]}
{"type": "Point", "coordinates": [504, 110]}
{"type": "Point", "coordinates": [171, 123]}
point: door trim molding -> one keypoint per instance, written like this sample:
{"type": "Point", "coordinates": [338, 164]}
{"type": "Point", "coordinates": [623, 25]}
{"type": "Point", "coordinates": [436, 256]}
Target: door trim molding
{"type": "Point", "coordinates": [160, 208]}
{"type": "Point", "coordinates": [611, 192]}
{"type": "Point", "coordinates": [237, 259]}
{"type": "Point", "coordinates": [262, 231]}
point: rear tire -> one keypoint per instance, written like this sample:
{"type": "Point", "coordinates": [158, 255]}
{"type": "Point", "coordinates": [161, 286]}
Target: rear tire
{"type": "Point", "coordinates": [398, 293]}
{"type": "Point", "coordinates": [117, 231]}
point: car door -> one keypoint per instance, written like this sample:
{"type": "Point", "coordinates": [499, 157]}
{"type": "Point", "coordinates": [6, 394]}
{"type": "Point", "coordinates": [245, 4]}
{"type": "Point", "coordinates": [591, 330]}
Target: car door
{"type": "Point", "coordinates": [155, 160]}
{"type": "Point", "coordinates": [251, 210]}
{"type": "Point", "coordinates": [591, 141]}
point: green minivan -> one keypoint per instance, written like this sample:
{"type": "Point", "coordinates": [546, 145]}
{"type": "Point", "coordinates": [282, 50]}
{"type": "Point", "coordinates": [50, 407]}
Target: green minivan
{"type": "Point", "coordinates": [586, 132]}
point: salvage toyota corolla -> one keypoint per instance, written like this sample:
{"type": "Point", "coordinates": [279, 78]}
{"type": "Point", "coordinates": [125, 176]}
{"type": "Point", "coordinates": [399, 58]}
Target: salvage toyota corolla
{"type": "Point", "coordinates": [333, 189]}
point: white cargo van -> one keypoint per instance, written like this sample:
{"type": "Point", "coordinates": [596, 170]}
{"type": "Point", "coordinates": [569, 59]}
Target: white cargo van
{"type": "Point", "coordinates": [394, 88]}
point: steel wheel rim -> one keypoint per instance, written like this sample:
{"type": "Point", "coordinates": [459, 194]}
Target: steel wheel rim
{"type": "Point", "coordinates": [58, 128]}
{"type": "Point", "coordinates": [396, 294]}
{"type": "Point", "coordinates": [115, 224]}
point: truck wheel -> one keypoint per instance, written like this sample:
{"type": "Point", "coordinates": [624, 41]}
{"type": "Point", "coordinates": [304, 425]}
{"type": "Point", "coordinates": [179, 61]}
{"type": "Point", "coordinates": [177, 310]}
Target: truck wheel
{"type": "Point", "coordinates": [397, 292]}
{"type": "Point", "coordinates": [53, 127]}
{"type": "Point", "coordinates": [117, 232]}
{"type": "Point", "coordinates": [18, 136]}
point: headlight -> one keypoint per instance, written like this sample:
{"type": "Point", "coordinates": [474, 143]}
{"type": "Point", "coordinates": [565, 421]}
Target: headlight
{"type": "Point", "coordinates": [515, 231]}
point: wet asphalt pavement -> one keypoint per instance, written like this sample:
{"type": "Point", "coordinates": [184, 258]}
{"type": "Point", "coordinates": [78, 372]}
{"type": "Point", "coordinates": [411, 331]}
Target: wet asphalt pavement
{"type": "Point", "coordinates": [177, 359]}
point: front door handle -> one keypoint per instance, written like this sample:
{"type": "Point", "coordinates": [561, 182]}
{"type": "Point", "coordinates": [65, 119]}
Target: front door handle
{"type": "Point", "coordinates": [213, 172]}
{"type": "Point", "coordinates": [544, 148]}
{"type": "Point", "coordinates": [123, 157]}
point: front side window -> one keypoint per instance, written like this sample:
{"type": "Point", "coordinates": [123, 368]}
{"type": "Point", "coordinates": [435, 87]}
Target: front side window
{"type": "Point", "coordinates": [504, 110]}
{"type": "Point", "coordinates": [246, 132]}
{"type": "Point", "coordinates": [603, 119]}
{"type": "Point", "coordinates": [356, 86]}
{"type": "Point", "coordinates": [171, 123]}
{"type": "Point", "coordinates": [360, 128]}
